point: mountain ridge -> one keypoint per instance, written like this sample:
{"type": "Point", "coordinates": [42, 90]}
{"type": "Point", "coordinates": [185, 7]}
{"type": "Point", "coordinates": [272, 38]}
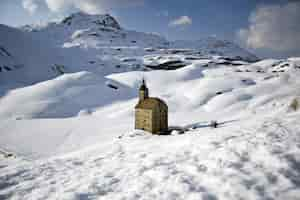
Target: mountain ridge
{"type": "Point", "coordinates": [93, 41]}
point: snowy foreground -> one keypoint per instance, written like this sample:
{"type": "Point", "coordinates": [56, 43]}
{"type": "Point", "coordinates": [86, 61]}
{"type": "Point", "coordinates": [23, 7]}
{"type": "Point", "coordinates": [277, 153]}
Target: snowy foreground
{"type": "Point", "coordinates": [67, 117]}
{"type": "Point", "coordinates": [260, 161]}
{"type": "Point", "coordinates": [254, 154]}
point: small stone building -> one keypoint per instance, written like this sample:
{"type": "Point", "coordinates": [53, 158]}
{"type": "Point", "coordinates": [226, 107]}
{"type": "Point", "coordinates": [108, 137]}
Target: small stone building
{"type": "Point", "coordinates": [151, 114]}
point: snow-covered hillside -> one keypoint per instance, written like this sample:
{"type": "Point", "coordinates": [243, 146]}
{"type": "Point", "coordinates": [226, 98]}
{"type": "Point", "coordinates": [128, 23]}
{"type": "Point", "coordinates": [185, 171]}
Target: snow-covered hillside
{"type": "Point", "coordinates": [254, 154]}
{"type": "Point", "coordinates": [67, 116]}
{"type": "Point", "coordinates": [92, 43]}
{"type": "Point", "coordinates": [25, 59]}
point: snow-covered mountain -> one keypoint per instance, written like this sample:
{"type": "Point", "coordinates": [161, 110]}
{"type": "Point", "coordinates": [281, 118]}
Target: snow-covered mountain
{"type": "Point", "coordinates": [24, 58]}
{"type": "Point", "coordinates": [67, 97]}
{"type": "Point", "coordinates": [92, 41]}
{"type": "Point", "coordinates": [215, 46]}
{"type": "Point", "coordinates": [93, 31]}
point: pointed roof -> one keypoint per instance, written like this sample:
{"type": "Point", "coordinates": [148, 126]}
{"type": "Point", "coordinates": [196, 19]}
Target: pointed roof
{"type": "Point", "coordinates": [143, 86]}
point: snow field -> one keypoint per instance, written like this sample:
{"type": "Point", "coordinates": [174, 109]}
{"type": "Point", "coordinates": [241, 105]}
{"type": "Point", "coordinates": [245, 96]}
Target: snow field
{"type": "Point", "coordinates": [78, 109]}
{"type": "Point", "coordinates": [245, 159]}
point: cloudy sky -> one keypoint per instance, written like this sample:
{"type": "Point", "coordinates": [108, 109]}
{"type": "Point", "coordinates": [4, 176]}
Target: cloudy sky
{"type": "Point", "coordinates": [265, 27]}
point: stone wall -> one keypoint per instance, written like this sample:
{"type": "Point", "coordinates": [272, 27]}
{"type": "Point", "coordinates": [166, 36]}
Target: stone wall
{"type": "Point", "coordinates": [144, 120]}
{"type": "Point", "coordinates": [154, 121]}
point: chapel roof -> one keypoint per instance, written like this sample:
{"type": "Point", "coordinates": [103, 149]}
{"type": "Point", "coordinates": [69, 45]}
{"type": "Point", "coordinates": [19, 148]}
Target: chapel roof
{"type": "Point", "coordinates": [151, 103]}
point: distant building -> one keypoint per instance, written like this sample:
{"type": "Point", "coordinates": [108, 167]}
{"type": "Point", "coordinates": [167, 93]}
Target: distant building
{"type": "Point", "coordinates": [151, 114]}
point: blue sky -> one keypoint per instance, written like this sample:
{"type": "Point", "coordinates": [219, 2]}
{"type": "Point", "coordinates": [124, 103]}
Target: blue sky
{"type": "Point", "coordinates": [209, 17]}
{"type": "Point", "coordinates": [249, 23]}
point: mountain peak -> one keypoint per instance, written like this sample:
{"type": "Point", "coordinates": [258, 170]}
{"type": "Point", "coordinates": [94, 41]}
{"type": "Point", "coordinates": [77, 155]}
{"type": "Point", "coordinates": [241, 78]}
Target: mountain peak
{"type": "Point", "coordinates": [84, 19]}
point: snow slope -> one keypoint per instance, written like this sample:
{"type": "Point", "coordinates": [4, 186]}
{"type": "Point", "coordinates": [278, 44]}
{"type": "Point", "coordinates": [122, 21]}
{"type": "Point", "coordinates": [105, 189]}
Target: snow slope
{"type": "Point", "coordinates": [254, 154]}
{"type": "Point", "coordinates": [25, 59]}
{"type": "Point", "coordinates": [83, 98]}
{"type": "Point", "coordinates": [259, 160]}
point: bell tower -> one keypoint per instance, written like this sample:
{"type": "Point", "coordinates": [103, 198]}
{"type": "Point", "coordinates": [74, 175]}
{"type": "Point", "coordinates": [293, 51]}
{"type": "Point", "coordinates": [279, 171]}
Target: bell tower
{"type": "Point", "coordinates": [143, 91]}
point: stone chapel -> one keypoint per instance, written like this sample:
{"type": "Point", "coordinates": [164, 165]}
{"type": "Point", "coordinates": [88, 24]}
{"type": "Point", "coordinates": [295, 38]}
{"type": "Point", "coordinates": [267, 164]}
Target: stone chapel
{"type": "Point", "coordinates": [151, 114]}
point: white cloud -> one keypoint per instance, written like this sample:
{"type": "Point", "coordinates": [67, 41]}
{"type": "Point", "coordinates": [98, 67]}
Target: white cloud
{"type": "Point", "coordinates": [181, 21]}
{"type": "Point", "coordinates": [55, 5]}
{"type": "Point", "coordinates": [274, 27]}
{"type": "Point", "coordinates": [90, 6]}
{"type": "Point", "coordinates": [30, 5]}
